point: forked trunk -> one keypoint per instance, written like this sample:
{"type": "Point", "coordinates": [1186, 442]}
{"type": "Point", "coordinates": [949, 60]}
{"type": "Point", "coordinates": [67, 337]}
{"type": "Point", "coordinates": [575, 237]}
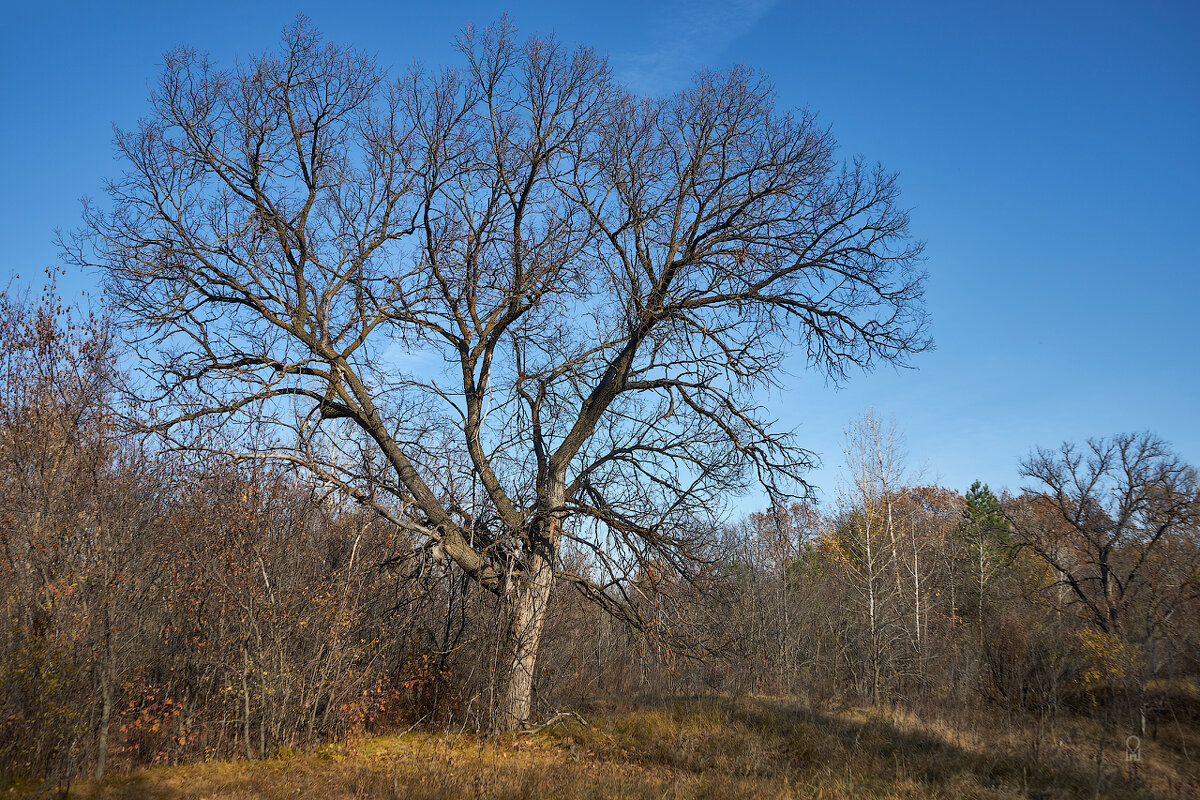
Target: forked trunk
{"type": "Point", "coordinates": [526, 603]}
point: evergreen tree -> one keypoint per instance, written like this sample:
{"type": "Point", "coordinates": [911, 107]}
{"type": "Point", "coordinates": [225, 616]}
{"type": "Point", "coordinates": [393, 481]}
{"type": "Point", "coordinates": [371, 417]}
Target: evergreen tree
{"type": "Point", "coordinates": [989, 534]}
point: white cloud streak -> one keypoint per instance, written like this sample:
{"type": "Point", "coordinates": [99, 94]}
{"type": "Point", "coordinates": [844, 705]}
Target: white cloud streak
{"type": "Point", "coordinates": [685, 37]}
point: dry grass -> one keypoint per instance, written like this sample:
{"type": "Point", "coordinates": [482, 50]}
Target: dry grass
{"type": "Point", "coordinates": [714, 748]}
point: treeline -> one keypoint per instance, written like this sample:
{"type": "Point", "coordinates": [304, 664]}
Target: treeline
{"type": "Point", "coordinates": [165, 605]}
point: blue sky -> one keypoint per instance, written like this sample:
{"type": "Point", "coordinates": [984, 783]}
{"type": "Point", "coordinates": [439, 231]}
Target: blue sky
{"type": "Point", "coordinates": [1048, 151]}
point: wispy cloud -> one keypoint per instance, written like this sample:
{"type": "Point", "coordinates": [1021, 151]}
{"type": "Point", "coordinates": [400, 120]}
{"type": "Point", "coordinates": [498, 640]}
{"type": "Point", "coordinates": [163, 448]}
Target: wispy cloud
{"type": "Point", "coordinates": [685, 37]}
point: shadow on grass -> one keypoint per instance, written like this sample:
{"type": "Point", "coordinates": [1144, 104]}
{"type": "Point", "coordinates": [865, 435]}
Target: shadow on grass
{"type": "Point", "coordinates": [677, 748]}
{"type": "Point", "coordinates": [138, 786]}
{"type": "Point", "coordinates": [860, 752]}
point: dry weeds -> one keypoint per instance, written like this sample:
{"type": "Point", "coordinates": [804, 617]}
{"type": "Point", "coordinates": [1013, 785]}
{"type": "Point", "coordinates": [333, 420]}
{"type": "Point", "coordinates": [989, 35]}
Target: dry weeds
{"type": "Point", "coordinates": [707, 748]}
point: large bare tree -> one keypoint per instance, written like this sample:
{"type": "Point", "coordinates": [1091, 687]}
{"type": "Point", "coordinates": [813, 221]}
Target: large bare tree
{"type": "Point", "coordinates": [507, 305]}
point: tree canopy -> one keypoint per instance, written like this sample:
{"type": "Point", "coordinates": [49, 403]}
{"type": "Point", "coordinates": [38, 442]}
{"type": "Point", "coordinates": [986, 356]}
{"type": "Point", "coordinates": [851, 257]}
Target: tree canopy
{"type": "Point", "coordinates": [503, 303]}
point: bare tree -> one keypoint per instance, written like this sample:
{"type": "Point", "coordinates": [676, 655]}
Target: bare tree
{"type": "Point", "coordinates": [505, 305]}
{"type": "Point", "coordinates": [1112, 504]}
{"type": "Point", "coordinates": [868, 543]}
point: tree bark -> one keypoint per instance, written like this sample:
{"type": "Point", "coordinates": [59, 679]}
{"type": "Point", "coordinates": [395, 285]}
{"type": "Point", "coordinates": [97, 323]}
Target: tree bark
{"type": "Point", "coordinates": [527, 600]}
{"type": "Point", "coordinates": [246, 704]}
{"type": "Point", "coordinates": [102, 734]}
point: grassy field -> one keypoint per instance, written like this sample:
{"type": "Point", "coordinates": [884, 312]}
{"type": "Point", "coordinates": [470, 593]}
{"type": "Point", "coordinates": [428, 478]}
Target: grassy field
{"type": "Point", "coordinates": [707, 748]}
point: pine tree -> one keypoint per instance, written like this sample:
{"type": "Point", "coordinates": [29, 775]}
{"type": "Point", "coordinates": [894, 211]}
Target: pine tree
{"type": "Point", "coordinates": [989, 534]}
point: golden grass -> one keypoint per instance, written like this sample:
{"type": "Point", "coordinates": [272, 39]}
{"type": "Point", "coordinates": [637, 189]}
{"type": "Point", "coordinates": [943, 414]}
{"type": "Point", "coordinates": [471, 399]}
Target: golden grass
{"type": "Point", "coordinates": [710, 748]}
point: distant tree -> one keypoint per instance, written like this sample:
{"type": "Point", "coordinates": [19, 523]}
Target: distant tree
{"type": "Point", "coordinates": [930, 515]}
{"type": "Point", "coordinates": [778, 548]}
{"type": "Point", "coordinates": [1106, 509]}
{"type": "Point", "coordinates": [989, 532]}
{"type": "Point", "coordinates": [867, 541]}
{"type": "Point", "coordinates": [504, 306]}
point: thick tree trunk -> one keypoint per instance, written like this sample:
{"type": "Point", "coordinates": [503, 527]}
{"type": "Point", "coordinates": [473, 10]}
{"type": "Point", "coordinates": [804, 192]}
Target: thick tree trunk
{"type": "Point", "coordinates": [527, 601]}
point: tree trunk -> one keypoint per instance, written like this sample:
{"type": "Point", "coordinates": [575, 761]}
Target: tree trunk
{"type": "Point", "coordinates": [102, 734]}
{"type": "Point", "coordinates": [526, 600]}
{"type": "Point", "coordinates": [982, 582]}
{"type": "Point", "coordinates": [246, 704]}
{"type": "Point", "coordinates": [871, 616]}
